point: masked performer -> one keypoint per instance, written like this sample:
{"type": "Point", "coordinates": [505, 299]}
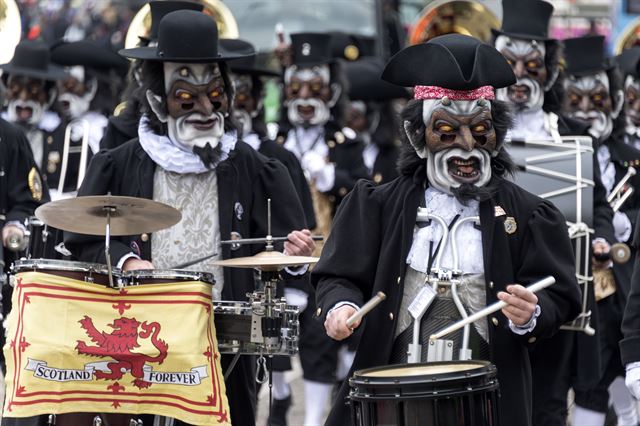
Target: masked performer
{"type": "Point", "coordinates": [453, 163]}
{"type": "Point", "coordinates": [30, 79]}
{"type": "Point", "coordinates": [536, 96]}
{"type": "Point", "coordinates": [187, 155]}
{"type": "Point", "coordinates": [593, 93]}
{"type": "Point", "coordinates": [629, 62]}
{"type": "Point", "coordinates": [123, 124]}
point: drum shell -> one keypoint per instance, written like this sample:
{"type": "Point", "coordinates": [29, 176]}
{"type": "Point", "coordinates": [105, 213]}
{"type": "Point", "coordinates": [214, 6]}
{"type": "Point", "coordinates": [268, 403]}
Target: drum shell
{"type": "Point", "coordinates": [461, 398]}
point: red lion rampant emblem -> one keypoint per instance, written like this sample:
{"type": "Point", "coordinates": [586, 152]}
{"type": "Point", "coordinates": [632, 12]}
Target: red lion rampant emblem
{"type": "Point", "coordinates": [119, 344]}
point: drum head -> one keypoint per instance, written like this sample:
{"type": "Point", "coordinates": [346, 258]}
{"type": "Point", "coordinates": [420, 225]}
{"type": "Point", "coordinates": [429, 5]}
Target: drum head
{"type": "Point", "coordinates": [419, 370]}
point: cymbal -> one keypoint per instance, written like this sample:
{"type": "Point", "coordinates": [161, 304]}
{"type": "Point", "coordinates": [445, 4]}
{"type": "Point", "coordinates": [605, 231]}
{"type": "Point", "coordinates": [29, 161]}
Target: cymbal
{"type": "Point", "coordinates": [267, 261]}
{"type": "Point", "coordinates": [88, 215]}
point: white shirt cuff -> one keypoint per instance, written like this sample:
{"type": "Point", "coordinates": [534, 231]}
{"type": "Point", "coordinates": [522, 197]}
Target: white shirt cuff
{"type": "Point", "coordinates": [325, 178]}
{"type": "Point", "coordinates": [124, 258]}
{"type": "Point", "coordinates": [632, 365]}
{"type": "Point", "coordinates": [529, 326]}
{"type": "Point", "coordinates": [297, 270]}
{"type": "Point", "coordinates": [340, 304]}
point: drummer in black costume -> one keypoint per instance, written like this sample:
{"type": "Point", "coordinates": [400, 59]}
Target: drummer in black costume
{"type": "Point", "coordinates": [187, 155]}
{"type": "Point", "coordinates": [593, 93]}
{"type": "Point", "coordinates": [123, 124]}
{"type": "Point", "coordinates": [453, 162]}
{"type": "Point", "coordinates": [536, 97]}
{"type": "Point", "coordinates": [312, 128]}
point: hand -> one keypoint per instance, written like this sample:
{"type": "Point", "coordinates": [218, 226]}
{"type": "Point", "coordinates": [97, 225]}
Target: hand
{"type": "Point", "coordinates": [336, 322]}
{"type": "Point", "coordinates": [621, 226]}
{"type": "Point", "coordinates": [12, 233]}
{"type": "Point", "coordinates": [632, 380]}
{"type": "Point", "coordinates": [133, 264]}
{"type": "Point", "coordinates": [600, 247]}
{"type": "Point", "coordinates": [299, 243]}
{"type": "Point", "coordinates": [313, 163]}
{"type": "Point", "coordinates": [521, 304]}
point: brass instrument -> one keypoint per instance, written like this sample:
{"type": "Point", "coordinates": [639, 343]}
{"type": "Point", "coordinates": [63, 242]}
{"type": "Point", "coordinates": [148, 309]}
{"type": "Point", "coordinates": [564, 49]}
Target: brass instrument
{"type": "Point", "coordinates": [141, 22]}
{"type": "Point", "coordinates": [461, 17]}
{"type": "Point", "coordinates": [17, 242]}
{"type": "Point", "coordinates": [67, 150]}
{"type": "Point", "coordinates": [629, 37]}
{"type": "Point", "coordinates": [620, 252]}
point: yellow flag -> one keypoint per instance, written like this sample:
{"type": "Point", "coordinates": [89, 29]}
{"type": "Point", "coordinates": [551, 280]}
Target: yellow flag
{"type": "Point", "coordinates": [73, 346]}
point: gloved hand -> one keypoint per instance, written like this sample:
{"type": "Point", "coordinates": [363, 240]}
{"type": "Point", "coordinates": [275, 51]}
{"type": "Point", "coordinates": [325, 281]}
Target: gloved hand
{"type": "Point", "coordinates": [622, 226]}
{"type": "Point", "coordinates": [296, 297]}
{"type": "Point", "coordinates": [632, 379]}
{"type": "Point", "coordinates": [313, 163]}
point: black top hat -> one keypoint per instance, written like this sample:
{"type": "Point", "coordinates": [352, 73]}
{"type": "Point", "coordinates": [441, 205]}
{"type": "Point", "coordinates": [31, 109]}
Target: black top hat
{"type": "Point", "coordinates": [629, 61]}
{"type": "Point", "coordinates": [365, 83]}
{"type": "Point", "coordinates": [311, 49]}
{"type": "Point", "coordinates": [526, 19]}
{"type": "Point", "coordinates": [32, 59]}
{"type": "Point", "coordinates": [351, 46]}
{"type": "Point", "coordinates": [451, 61]}
{"type": "Point", "coordinates": [585, 55]}
{"type": "Point", "coordinates": [159, 9]}
{"type": "Point", "coordinates": [88, 54]}
{"type": "Point", "coordinates": [186, 36]}
{"type": "Point", "coordinates": [246, 65]}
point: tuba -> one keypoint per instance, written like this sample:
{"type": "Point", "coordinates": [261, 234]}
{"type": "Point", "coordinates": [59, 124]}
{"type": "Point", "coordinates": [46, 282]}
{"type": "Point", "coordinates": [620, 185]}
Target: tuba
{"type": "Point", "coordinates": [629, 37]}
{"type": "Point", "coordinates": [141, 22]}
{"type": "Point", "coordinates": [460, 16]}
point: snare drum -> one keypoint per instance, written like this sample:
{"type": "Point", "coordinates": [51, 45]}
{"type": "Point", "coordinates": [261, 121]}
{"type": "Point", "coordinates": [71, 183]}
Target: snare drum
{"type": "Point", "coordinates": [239, 330]}
{"type": "Point", "coordinates": [460, 393]}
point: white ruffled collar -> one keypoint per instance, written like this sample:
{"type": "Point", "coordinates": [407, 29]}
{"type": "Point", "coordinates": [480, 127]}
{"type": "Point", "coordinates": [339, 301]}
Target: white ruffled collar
{"type": "Point", "coordinates": [175, 158]}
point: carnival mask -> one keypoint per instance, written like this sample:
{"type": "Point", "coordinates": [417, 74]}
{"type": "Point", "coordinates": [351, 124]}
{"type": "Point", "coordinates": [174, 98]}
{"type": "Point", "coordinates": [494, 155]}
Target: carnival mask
{"type": "Point", "coordinates": [246, 107]}
{"type": "Point", "coordinates": [588, 99]}
{"type": "Point", "coordinates": [309, 96]}
{"type": "Point", "coordinates": [460, 140]}
{"type": "Point", "coordinates": [27, 100]}
{"type": "Point", "coordinates": [196, 105]}
{"type": "Point", "coordinates": [75, 93]}
{"type": "Point", "coordinates": [526, 58]}
{"type": "Point", "coordinates": [632, 105]}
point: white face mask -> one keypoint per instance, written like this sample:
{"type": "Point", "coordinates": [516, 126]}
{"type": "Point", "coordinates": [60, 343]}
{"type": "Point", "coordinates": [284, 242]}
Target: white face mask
{"type": "Point", "coordinates": [245, 120]}
{"type": "Point", "coordinates": [297, 107]}
{"type": "Point", "coordinates": [601, 124]}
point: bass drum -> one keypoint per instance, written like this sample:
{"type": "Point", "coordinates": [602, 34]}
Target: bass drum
{"type": "Point", "coordinates": [451, 393]}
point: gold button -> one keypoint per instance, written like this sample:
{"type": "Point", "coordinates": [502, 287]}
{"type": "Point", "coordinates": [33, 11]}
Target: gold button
{"type": "Point", "coordinates": [339, 137]}
{"type": "Point", "coordinates": [494, 320]}
{"type": "Point", "coordinates": [49, 140]}
{"type": "Point", "coordinates": [343, 191]}
{"type": "Point", "coordinates": [332, 198]}
{"type": "Point", "coordinates": [391, 316]}
{"type": "Point", "coordinates": [280, 139]}
{"type": "Point", "coordinates": [144, 237]}
{"type": "Point", "coordinates": [318, 312]}
{"type": "Point", "coordinates": [491, 285]}
{"type": "Point", "coordinates": [331, 144]}
{"type": "Point", "coordinates": [532, 340]}
{"type": "Point", "coordinates": [399, 279]}
{"type": "Point", "coordinates": [377, 178]}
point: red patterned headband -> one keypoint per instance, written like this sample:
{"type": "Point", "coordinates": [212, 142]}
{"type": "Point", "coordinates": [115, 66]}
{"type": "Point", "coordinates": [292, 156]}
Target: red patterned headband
{"type": "Point", "coordinates": [435, 92]}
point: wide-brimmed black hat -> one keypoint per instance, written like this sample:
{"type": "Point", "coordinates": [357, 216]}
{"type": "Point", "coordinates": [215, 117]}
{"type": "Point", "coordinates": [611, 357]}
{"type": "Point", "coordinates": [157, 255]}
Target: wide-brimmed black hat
{"type": "Point", "coordinates": [525, 19]}
{"type": "Point", "coordinates": [365, 83]}
{"type": "Point", "coordinates": [186, 36]}
{"type": "Point", "coordinates": [629, 61]}
{"type": "Point", "coordinates": [351, 47]}
{"type": "Point", "coordinates": [90, 55]}
{"type": "Point", "coordinates": [159, 9]}
{"type": "Point", "coordinates": [309, 49]}
{"type": "Point", "coordinates": [248, 64]}
{"type": "Point", "coordinates": [586, 55]}
{"type": "Point", "coordinates": [451, 61]}
{"type": "Point", "coordinates": [33, 59]}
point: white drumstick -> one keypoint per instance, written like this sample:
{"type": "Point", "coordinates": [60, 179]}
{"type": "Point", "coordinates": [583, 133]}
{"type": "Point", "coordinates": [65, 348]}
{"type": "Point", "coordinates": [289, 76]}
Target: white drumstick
{"type": "Point", "coordinates": [538, 285]}
{"type": "Point", "coordinates": [375, 300]}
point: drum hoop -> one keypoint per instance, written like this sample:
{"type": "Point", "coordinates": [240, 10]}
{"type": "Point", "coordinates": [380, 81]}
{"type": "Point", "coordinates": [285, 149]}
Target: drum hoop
{"type": "Point", "coordinates": [363, 395]}
{"type": "Point", "coordinates": [26, 265]}
{"type": "Point", "coordinates": [244, 304]}
{"type": "Point", "coordinates": [168, 274]}
{"type": "Point", "coordinates": [481, 368]}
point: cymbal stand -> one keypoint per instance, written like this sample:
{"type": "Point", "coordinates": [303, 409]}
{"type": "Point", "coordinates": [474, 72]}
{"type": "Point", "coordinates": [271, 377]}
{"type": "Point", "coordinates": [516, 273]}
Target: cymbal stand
{"type": "Point", "coordinates": [107, 237]}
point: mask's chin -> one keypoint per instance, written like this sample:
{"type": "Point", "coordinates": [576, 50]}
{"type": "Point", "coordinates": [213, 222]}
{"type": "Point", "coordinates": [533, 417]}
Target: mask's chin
{"type": "Point", "coordinates": [450, 169]}
{"type": "Point", "coordinates": [308, 112]}
{"type": "Point", "coordinates": [194, 130]}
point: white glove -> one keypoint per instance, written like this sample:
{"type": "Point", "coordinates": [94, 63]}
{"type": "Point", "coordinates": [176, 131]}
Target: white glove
{"type": "Point", "coordinates": [632, 379]}
{"type": "Point", "coordinates": [297, 298]}
{"type": "Point", "coordinates": [622, 226]}
{"type": "Point", "coordinates": [313, 163]}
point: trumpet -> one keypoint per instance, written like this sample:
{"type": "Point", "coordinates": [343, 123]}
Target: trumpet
{"type": "Point", "coordinates": [620, 252]}
{"type": "Point", "coordinates": [68, 149]}
{"type": "Point", "coordinates": [17, 242]}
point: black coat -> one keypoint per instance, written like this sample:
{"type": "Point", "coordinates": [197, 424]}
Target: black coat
{"type": "Point", "coordinates": [367, 250]}
{"type": "Point", "coordinates": [120, 129]}
{"type": "Point", "coordinates": [385, 167]}
{"type": "Point", "coordinates": [630, 345]}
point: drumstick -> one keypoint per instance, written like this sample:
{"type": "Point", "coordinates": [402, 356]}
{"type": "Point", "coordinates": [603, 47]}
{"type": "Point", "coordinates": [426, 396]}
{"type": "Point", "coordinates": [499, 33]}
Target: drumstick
{"type": "Point", "coordinates": [264, 240]}
{"type": "Point", "coordinates": [193, 262]}
{"type": "Point", "coordinates": [538, 285]}
{"type": "Point", "coordinates": [375, 300]}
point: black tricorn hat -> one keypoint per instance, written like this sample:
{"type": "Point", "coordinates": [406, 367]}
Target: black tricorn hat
{"type": "Point", "coordinates": [451, 61]}
{"type": "Point", "coordinates": [525, 19]}
{"type": "Point", "coordinates": [309, 49]}
{"type": "Point", "coordinates": [365, 83]}
{"type": "Point", "coordinates": [88, 54]}
{"type": "Point", "coordinates": [585, 55]}
{"type": "Point", "coordinates": [247, 64]}
{"type": "Point", "coordinates": [33, 59]}
{"type": "Point", "coordinates": [351, 47]}
{"type": "Point", "coordinates": [186, 36]}
{"type": "Point", "coordinates": [159, 9]}
{"type": "Point", "coordinates": [629, 61]}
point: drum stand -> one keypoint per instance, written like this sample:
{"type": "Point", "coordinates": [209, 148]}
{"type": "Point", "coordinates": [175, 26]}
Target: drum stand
{"type": "Point", "coordinates": [440, 349]}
